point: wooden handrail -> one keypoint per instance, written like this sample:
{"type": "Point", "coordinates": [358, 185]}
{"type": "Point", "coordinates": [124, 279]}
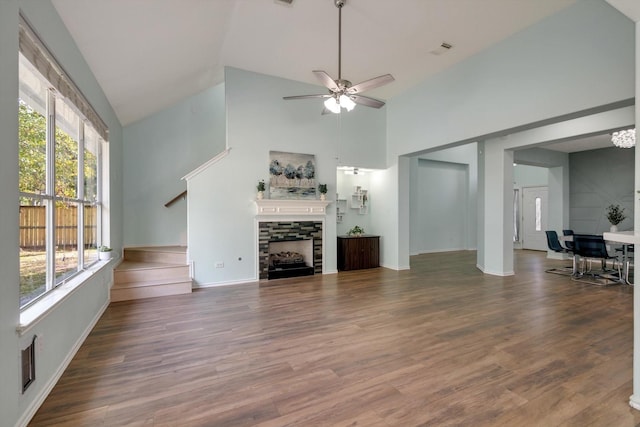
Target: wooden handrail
{"type": "Point", "coordinates": [175, 199]}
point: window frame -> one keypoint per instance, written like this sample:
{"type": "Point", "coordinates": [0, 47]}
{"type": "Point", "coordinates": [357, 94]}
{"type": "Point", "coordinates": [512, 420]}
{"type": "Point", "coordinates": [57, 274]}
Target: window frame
{"type": "Point", "coordinates": [50, 199]}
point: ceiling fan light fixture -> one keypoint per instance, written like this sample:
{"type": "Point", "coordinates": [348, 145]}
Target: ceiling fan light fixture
{"type": "Point", "coordinates": [347, 102]}
{"type": "Point", "coordinates": [341, 92]}
{"type": "Point", "coordinates": [332, 105]}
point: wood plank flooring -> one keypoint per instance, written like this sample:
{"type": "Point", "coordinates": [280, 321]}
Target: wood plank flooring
{"type": "Point", "coordinates": [438, 345]}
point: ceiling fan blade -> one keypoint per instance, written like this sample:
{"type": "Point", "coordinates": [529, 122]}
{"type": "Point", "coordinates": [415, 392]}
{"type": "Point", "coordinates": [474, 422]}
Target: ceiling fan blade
{"type": "Point", "coordinates": [326, 80]}
{"type": "Point", "coordinates": [365, 100]}
{"type": "Point", "coordinates": [371, 83]}
{"type": "Point", "coordinates": [306, 96]}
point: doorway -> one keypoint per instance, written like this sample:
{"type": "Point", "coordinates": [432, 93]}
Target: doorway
{"type": "Point", "coordinates": [534, 218]}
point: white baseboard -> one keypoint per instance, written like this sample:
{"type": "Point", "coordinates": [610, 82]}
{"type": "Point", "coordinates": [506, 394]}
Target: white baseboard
{"type": "Point", "coordinates": [435, 251]}
{"type": "Point", "coordinates": [230, 283]}
{"type": "Point", "coordinates": [396, 267]}
{"type": "Point", "coordinates": [40, 398]}
{"type": "Point", "coordinates": [495, 273]}
{"type": "Point", "coordinates": [241, 282]}
{"type": "Point", "coordinates": [634, 401]}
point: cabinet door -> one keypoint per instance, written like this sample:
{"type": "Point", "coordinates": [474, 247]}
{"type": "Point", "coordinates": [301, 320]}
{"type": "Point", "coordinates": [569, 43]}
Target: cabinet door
{"type": "Point", "coordinates": [364, 254]}
{"type": "Point", "coordinates": [374, 252]}
{"type": "Point", "coordinates": [358, 253]}
{"type": "Point", "coordinates": [352, 259]}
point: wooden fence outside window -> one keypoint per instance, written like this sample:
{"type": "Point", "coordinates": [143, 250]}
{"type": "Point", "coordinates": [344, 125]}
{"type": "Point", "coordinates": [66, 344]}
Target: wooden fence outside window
{"type": "Point", "coordinates": [33, 220]}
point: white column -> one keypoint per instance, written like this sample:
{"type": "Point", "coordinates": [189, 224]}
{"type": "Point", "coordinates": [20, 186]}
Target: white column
{"type": "Point", "coordinates": [634, 400]}
{"type": "Point", "coordinates": [497, 184]}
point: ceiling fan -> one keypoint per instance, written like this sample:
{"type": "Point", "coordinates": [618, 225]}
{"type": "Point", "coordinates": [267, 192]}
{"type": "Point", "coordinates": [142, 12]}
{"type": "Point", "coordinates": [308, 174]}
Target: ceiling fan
{"type": "Point", "coordinates": [341, 93]}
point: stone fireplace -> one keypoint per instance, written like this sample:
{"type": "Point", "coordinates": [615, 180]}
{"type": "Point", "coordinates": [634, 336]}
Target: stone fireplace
{"type": "Point", "coordinates": [293, 229]}
{"type": "Point", "coordinates": [302, 238]}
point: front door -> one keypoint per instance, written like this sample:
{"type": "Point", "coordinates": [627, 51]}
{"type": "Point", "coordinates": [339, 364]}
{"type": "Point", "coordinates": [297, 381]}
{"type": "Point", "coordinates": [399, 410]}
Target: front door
{"type": "Point", "coordinates": [534, 218]}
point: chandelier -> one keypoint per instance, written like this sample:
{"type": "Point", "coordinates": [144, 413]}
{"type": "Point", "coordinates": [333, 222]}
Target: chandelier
{"type": "Point", "coordinates": [624, 138]}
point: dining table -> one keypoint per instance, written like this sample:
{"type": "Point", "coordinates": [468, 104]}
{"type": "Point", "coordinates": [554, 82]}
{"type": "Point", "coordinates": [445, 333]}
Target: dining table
{"type": "Point", "coordinates": [626, 239]}
{"type": "Point", "coordinates": [623, 238]}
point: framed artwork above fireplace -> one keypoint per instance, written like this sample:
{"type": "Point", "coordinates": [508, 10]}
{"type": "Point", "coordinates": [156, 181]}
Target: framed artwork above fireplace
{"type": "Point", "coordinates": [292, 175]}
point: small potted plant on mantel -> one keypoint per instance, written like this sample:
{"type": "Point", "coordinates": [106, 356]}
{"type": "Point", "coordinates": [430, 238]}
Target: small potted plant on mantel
{"type": "Point", "coordinates": [615, 215]}
{"type": "Point", "coordinates": [260, 187]}
{"type": "Point", "coordinates": [322, 189]}
{"type": "Point", "coordinates": [104, 253]}
{"type": "Point", "coordinates": [356, 231]}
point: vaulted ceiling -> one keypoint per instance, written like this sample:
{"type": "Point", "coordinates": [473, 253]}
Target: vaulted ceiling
{"type": "Point", "coordinates": [150, 54]}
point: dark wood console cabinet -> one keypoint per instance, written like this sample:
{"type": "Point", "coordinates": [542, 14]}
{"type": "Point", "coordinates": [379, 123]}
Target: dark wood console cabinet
{"type": "Point", "coordinates": [355, 253]}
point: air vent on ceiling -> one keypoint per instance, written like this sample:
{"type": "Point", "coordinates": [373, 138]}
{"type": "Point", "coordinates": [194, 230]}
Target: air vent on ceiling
{"type": "Point", "coordinates": [444, 47]}
{"type": "Point", "coordinates": [284, 2]}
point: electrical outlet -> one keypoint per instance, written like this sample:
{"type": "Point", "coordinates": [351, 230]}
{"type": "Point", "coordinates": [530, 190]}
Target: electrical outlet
{"type": "Point", "coordinates": [220, 264]}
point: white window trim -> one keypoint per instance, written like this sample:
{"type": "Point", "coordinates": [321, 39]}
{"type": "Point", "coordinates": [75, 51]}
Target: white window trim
{"type": "Point", "coordinates": [40, 57]}
{"type": "Point", "coordinates": [34, 313]}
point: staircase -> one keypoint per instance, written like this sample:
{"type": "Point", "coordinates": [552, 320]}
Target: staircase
{"type": "Point", "coordinates": [153, 271]}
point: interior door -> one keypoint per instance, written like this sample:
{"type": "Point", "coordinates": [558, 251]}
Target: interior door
{"type": "Point", "coordinates": [534, 218]}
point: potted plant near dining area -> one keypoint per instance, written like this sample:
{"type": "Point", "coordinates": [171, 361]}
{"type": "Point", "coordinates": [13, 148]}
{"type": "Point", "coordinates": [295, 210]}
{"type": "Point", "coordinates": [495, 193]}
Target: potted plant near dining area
{"type": "Point", "coordinates": [615, 215]}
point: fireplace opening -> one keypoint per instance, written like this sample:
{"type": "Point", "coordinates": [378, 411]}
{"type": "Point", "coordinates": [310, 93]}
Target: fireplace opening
{"type": "Point", "coordinates": [290, 258]}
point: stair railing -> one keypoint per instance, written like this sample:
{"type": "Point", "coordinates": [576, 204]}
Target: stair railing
{"type": "Point", "coordinates": [182, 195]}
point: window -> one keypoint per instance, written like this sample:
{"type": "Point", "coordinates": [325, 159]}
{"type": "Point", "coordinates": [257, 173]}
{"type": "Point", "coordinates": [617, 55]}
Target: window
{"type": "Point", "coordinates": [59, 155]}
{"type": "Point", "coordinates": [538, 214]}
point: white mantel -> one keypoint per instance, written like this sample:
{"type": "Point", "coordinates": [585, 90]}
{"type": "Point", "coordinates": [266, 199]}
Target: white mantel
{"type": "Point", "coordinates": [297, 207]}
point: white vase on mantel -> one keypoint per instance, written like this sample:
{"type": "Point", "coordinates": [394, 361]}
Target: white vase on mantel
{"type": "Point", "coordinates": [260, 195]}
{"type": "Point", "coordinates": [323, 196]}
{"type": "Point", "coordinates": [613, 228]}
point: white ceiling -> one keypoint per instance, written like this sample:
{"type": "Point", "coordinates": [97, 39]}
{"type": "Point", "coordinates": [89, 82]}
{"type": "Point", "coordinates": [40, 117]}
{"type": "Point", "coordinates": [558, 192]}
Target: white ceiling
{"type": "Point", "coordinates": [150, 54]}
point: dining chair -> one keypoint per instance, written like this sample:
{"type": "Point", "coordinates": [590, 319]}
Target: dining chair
{"type": "Point", "coordinates": [568, 244]}
{"type": "Point", "coordinates": [553, 242]}
{"type": "Point", "coordinates": [592, 247]}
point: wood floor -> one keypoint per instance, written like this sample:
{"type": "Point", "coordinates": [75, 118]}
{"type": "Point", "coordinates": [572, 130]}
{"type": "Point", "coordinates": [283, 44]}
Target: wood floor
{"type": "Point", "coordinates": [439, 345]}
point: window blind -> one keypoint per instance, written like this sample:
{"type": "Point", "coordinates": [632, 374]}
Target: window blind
{"type": "Point", "coordinates": [37, 53]}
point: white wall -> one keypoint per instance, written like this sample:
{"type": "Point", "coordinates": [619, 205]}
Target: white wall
{"type": "Point", "coordinates": [530, 176]}
{"type": "Point", "coordinates": [158, 151]}
{"type": "Point", "coordinates": [346, 184]}
{"type": "Point", "coordinates": [634, 399]}
{"type": "Point", "coordinates": [63, 328]}
{"type": "Point", "coordinates": [221, 207]}
{"type": "Point", "coordinates": [391, 211]}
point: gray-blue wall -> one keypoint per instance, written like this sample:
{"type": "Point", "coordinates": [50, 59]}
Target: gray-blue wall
{"type": "Point", "coordinates": [597, 179]}
{"type": "Point", "coordinates": [158, 151]}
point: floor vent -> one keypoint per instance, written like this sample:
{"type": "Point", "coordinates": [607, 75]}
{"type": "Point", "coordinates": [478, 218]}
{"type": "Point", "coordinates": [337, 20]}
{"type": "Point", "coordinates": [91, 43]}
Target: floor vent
{"type": "Point", "coordinates": [29, 365]}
